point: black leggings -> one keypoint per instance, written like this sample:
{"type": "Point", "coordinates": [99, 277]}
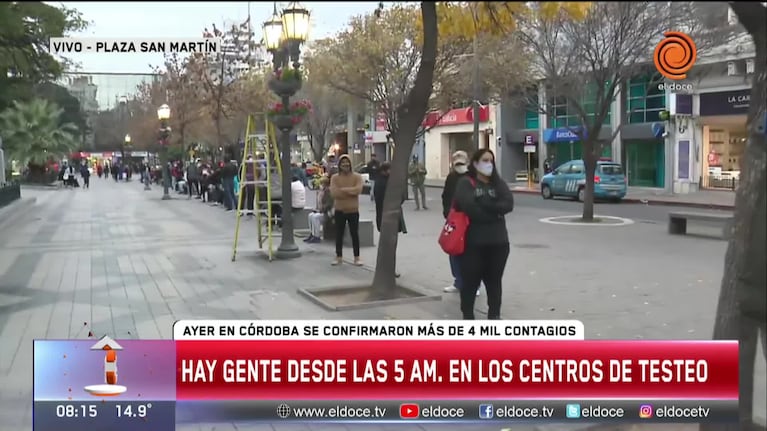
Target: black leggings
{"type": "Point", "coordinates": [353, 219]}
{"type": "Point", "coordinates": [483, 263]}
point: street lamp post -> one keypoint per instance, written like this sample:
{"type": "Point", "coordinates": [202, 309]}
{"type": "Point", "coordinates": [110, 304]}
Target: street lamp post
{"type": "Point", "coordinates": [163, 114]}
{"type": "Point", "coordinates": [283, 35]}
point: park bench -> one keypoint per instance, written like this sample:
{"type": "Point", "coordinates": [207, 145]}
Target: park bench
{"type": "Point", "coordinates": [677, 222]}
{"type": "Point", "coordinates": [301, 218]}
{"type": "Point", "coordinates": [367, 237]}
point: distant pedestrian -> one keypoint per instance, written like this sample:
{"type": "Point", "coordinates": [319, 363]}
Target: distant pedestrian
{"type": "Point", "coordinates": [250, 185]}
{"type": "Point", "coordinates": [373, 168]}
{"type": "Point", "coordinates": [86, 174]}
{"type": "Point", "coordinates": [485, 198]}
{"type": "Point", "coordinates": [417, 176]}
{"type": "Point", "coordinates": [548, 164]}
{"type": "Point", "coordinates": [459, 170]}
{"type": "Point", "coordinates": [345, 187]}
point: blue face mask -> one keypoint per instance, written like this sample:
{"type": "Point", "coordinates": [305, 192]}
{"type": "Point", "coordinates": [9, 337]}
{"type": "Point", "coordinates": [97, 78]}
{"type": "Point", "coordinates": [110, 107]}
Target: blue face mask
{"type": "Point", "coordinates": [484, 168]}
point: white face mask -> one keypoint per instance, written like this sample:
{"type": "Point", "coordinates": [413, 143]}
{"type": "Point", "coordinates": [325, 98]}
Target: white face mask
{"type": "Point", "coordinates": [461, 169]}
{"type": "Point", "coordinates": [484, 168]}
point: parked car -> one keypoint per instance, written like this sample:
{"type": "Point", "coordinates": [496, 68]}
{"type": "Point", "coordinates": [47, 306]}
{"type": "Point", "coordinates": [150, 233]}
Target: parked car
{"type": "Point", "coordinates": [363, 170]}
{"type": "Point", "coordinates": [569, 180]}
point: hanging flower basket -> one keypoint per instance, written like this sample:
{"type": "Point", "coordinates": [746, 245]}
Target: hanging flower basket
{"type": "Point", "coordinates": [285, 117]}
{"type": "Point", "coordinates": [286, 81]}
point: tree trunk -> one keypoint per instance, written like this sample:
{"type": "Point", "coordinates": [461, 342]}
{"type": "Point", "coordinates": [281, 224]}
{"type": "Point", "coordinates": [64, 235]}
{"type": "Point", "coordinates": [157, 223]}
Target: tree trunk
{"type": "Point", "coordinates": [590, 165]}
{"type": "Point", "coordinates": [410, 115]}
{"type": "Point", "coordinates": [317, 143]}
{"type": "Point", "coordinates": [741, 313]}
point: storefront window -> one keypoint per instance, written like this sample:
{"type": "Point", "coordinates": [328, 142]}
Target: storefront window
{"type": "Point", "coordinates": [565, 115]}
{"type": "Point", "coordinates": [645, 101]}
{"type": "Point", "coordinates": [531, 118]}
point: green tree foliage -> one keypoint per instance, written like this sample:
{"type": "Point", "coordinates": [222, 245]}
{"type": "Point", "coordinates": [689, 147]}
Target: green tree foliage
{"type": "Point", "coordinates": [25, 30]}
{"type": "Point", "coordinates": [60, 96]}
{"type": "Point", "coordinates": [33, 134]}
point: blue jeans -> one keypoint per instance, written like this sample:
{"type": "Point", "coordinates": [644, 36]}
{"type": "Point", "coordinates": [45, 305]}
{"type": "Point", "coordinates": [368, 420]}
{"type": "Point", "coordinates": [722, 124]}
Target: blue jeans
{"type": "Point", "coordinates": [455, 269]}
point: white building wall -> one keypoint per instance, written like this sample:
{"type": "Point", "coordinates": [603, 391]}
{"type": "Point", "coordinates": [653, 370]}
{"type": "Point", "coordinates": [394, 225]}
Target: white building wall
{"type": "Point", "coordinates": [437, 142]}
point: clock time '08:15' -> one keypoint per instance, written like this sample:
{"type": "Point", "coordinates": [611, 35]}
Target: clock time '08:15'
{"type": "Point", "coordinates": [77, 411]}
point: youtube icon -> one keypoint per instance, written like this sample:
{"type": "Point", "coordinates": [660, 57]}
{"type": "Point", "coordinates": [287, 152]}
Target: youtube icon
{"type": "Point", "coordinates": [409, 411]}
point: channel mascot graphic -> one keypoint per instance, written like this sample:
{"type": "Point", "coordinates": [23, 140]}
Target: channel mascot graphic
{"type": "Point", "coordinates": [110, 388]}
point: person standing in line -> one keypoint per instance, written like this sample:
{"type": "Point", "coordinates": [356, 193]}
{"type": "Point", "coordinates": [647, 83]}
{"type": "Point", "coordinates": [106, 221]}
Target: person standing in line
{"type": "Point", "coordinates": [345, 187]}
{"type": "Point", "coordinates": [417, 175]}
{"type": "Point", "coordinates": [373, 167]}
{"type": "Point", "coordinates": [486, 199]}
{"type": "Point", "coordinates": [250, 185]}
{"type": "Point", "coordinates": [193, 178]}
{"type": "Point", "coordinates": [228, 172]}
{"type": "Point", "coordinates": [460, 167]}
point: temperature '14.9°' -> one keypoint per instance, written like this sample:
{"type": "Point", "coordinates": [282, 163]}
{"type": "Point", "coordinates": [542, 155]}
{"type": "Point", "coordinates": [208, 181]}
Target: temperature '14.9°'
{"type": "Point", "coordinates": [133, 411]}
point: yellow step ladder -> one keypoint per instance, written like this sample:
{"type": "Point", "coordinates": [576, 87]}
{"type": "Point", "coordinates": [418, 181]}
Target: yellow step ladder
{"type": "Point", "coordinates": [267, 174]}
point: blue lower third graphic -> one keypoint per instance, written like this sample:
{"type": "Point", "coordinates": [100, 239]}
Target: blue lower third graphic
{"type": "Point", "coordinates": [573, 411]}
{"type": "Point", "coordinates": [486, 411]}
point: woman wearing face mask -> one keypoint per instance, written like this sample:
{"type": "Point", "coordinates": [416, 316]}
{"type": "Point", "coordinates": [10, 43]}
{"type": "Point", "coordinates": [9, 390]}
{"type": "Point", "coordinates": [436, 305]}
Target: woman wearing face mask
{"type": "Point", "coordinates": [345, 187]}
{"type": "Point", "coordinates": [485, 198]}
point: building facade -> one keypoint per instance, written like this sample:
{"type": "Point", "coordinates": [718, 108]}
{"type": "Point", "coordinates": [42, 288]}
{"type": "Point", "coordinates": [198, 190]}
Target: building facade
{"type": "Point", "coordinates": [451, 131]}
{"type": "Point", "coordinates": [676, 140]}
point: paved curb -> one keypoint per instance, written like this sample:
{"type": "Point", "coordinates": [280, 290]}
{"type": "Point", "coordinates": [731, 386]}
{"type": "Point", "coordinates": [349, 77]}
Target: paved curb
{"type": "Point", "coordinates": [11, 212]}
{"type": "Point", "coordinates": [658, 202]}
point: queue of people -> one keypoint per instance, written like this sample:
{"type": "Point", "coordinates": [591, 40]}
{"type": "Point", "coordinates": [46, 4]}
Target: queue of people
{"type": "Point", "coordinates": [473, 188]}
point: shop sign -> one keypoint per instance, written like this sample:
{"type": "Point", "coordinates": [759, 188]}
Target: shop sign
{"type": "Point", "coordinates": [456, 116]}
{"type": "Point", "coordinates": [725, 103]}
{"type": "Point", "coordinates": [563, 135]}
{"type": "Point", "coordinates": [530, 145]}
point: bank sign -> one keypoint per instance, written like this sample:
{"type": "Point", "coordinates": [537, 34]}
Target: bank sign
{"type": "Point", "coordinates": [725, 103]}
{"type": "Point", "coordinates": [562, 134]}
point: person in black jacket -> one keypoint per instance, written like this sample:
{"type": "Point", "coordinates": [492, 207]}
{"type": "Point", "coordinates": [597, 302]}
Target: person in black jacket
{"type": "Point", "coordinates": [460, 167]}
{"type": "Point", "coordinates": [485, 198]}
{"type": "Point", "coordinates": [228, 172]}
{"type": "Point", "coordinates": [380, 191]}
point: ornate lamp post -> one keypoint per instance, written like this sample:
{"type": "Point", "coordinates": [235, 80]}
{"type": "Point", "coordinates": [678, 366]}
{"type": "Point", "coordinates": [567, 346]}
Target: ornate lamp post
{"type": "Point", "coordinates": [283, 35]}
{"type": "Point", "coordinates": [163, 114]}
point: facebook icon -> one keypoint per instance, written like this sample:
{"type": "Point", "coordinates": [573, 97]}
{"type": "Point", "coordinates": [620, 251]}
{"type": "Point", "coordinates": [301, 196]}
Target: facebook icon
{"type": "Point", "coordinates": [485, 411]}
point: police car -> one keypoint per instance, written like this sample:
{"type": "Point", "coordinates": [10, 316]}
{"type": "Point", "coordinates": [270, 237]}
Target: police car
{"type": "Point", "coordinates": [569, 180]}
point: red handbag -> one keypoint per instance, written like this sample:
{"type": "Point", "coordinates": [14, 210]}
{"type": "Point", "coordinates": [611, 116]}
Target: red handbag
{"type": "Point", "coordinates": [452, 239]}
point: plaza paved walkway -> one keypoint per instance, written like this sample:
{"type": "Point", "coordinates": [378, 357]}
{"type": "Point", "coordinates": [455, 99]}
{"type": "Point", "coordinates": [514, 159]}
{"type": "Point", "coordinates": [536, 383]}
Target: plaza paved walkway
{"type": "Point", "coordinates": [117, 260]}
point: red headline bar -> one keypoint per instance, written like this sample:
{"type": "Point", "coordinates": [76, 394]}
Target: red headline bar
{"type": "Point", "coordinates": [424, 369]}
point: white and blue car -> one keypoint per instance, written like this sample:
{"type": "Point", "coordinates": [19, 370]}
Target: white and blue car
{"type": "Point", "coordinates": [569, 180]}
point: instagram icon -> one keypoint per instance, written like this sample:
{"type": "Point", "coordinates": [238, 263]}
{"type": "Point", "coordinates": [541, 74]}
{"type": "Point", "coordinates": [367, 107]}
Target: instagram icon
{"type": "Point", "coordinates": [645, 411]}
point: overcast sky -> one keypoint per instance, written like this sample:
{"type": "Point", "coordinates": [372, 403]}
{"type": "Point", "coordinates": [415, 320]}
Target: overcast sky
{"type": "Point", "coordinates": [184, 20]}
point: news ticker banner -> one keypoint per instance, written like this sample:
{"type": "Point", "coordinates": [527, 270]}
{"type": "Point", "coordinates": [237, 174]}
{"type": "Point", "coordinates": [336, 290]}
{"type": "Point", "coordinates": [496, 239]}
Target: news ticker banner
{"type": "Point", "coordinates": [92, 45]}
{"type": "Point", "coordinates": [136, 416]}
{"type": "Point", "coordinates": [218, 364]}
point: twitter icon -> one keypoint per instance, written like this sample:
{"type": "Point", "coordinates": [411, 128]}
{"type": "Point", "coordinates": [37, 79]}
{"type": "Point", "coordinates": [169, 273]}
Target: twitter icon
{"type": "Point", "coordinates": [573, 411]}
